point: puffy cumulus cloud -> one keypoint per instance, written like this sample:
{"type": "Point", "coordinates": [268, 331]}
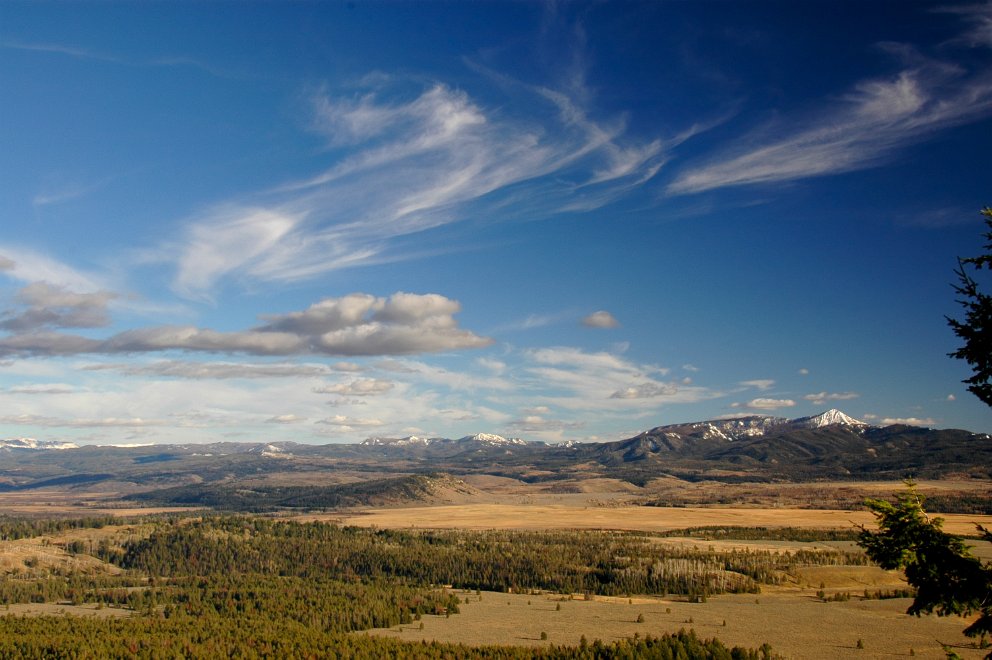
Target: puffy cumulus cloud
{"type": "Point", "coordinates": [6, 263]}
{"type": "Point", "coordinates": [48, 306]}
{"type": "Point", "coordinates": [360, 324]}
{"type": "Point", "coordinates": [759, 384]}
{"type": "Point", "coordinates": [928, 422]}
{"type": "Point", "coordinates": [770, 404]}
{"type": "Point", "coordinates": [357, 324]}
{"type": "Point", "coordinates": [803, 371]}
{"type": "Point", "coordinates": [214, 370]}
{"type": "Point", "coordinates": [820, 398]}
{"type": "Point", "coordinates": [360, 387]}
{"type": "Point", "coordinates": [600, 319]}
{"type": "Point", "coordinates": [951, 397]}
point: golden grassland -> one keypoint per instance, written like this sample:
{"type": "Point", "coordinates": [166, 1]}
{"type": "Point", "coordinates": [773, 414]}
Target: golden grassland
{"type": "Point", "coordinates": [794, 621]}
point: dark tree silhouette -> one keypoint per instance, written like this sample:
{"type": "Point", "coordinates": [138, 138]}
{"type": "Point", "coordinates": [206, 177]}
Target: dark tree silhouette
{"type": "Point", "coordinates": [948, 578]}
{"type": "Point", "coordinates": [976, 328]}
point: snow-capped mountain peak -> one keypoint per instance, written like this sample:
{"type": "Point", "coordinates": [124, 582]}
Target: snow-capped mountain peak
{"type": "Point", "coordinates": [828, 418]}
{"type": "Point", "coordinates": [493, 439]}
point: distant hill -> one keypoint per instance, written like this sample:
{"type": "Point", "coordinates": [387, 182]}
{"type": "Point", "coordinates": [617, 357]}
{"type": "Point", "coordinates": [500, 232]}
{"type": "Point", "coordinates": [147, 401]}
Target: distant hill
{"type": "Point", "coordinates": [377, 492]}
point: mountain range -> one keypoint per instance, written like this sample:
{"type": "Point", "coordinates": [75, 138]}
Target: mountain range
{"type": "Point", "coordinates": [831, 445]}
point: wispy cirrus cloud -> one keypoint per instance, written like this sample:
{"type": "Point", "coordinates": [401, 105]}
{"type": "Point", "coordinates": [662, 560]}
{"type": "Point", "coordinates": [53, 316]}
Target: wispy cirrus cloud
{"type": "Point", "coordinates": [32, 267]}
{"type": "Point", "coordinates": [217, 370]}
{"type": "Point", "coordinates": [862, 129]}
{"type": "Point", "coordinates": [445, 157]}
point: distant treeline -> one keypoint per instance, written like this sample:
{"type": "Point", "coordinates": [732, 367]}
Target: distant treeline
{"type": "Point", "coordinates": [12, 528]}
{"type": "Point", "coordinates": [801, 534]}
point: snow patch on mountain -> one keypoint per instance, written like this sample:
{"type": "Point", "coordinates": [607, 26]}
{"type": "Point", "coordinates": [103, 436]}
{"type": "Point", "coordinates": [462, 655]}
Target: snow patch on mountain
{"type": "Point", "coordinates": [37, 445]}
{"type": "Point", "coordinates": [408, 441]}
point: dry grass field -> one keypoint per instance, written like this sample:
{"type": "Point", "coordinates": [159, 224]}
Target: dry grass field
{"type": "Point", "coordinates": [794, 622]}
{"type": "Point", "coordinates": [64, 609]}
{"type": "Point", "coordinates": [55, 503]}
{"type": "Point", "coordinates": [635, 518]}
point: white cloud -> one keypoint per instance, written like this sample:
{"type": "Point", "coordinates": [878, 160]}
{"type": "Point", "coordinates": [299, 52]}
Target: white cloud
{"type": "Point", "coordinates": [872, 121]}
{"type": "Point", "coordinates": [909, 421]}
{"type": "Point", "coordinates": [45, 388]}
{"type": "Point", "coordinates": [646, 391]}
{"type": "Point", "coordinates": [760, 383]}
{"type": "Point", "coordinates": [231, 239]}
{"type": "Point", "coordinates": [537, 425]}
{"type": "Point", "coordinates": [214, 370]}
{"type": "Point", "coordinates": [603, 381]}
{"type": "Point", "coordinates": [440, 151]}
{"type": "Point", "coordinates": [803, 372]}
{"type": "Point", "coordinates": [30, 266]}
{"type": "Point", "coordinates": [349, 423]}
{"type": "Point", "coordinates": [358, 324]}
{"type": "Point", "coordinates": [820, 398]}
{"type": "Point", "coordinates": [49, 306]}
{"type": "Point", "coordinates": [600, 319]}
{"type": "Point", "coordinates": [360, 387]}
{"type": "Point", "coordinates": [78, 422]}
{"type": "Point", "coordinates": [951, 397]}
{"type": "Point", "coordinates": [770, 404]}
{"type": "Point", "coordinates": [286, 419]}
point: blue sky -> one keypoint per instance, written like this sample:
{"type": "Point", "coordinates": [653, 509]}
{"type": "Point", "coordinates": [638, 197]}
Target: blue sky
{"type": "Point", "coordinates": [322, 222]}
